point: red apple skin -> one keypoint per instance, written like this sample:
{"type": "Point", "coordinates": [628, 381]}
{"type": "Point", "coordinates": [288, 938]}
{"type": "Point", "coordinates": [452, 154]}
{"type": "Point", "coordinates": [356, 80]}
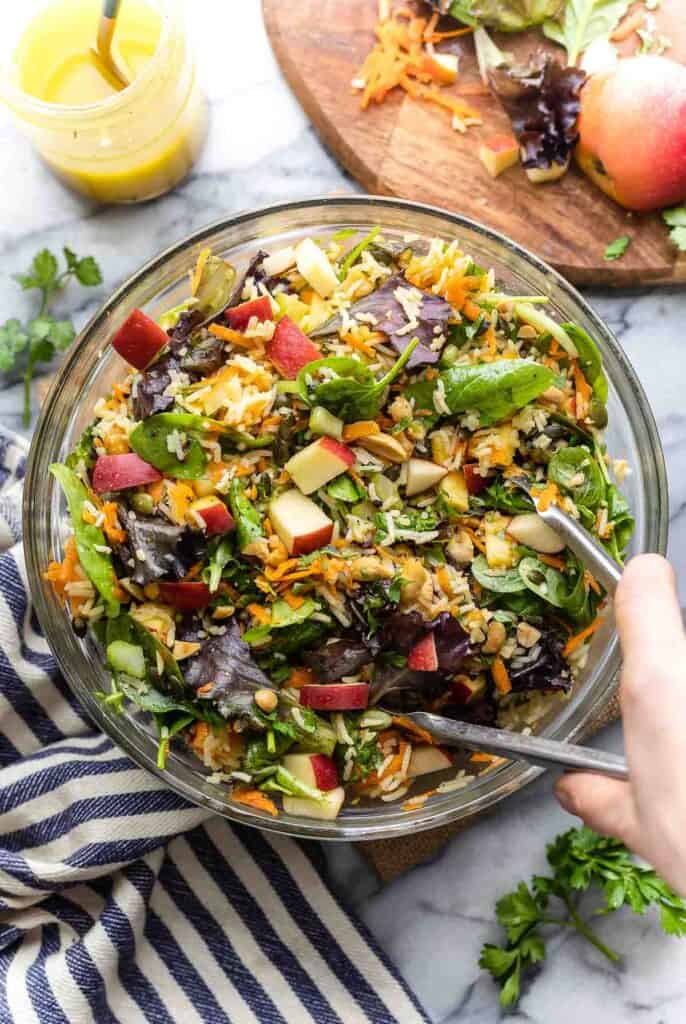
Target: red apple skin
{"type": "Point", "coordinates": [341, 451]}
{"type": "Point", "coordinates": [217, 519]}
{"type": "Point", "coordinates": [632, 130]}
{"type": "Point", "coordinates": [335, 696]}
{"type": "Point", "coordinates": [239, 316]}
{"type": "Point", "coordinates": [474, 480]}
{"type": "Point", "coordinates": [311, 541]}
{"type": "Point", "coordinates": [139, 339]}
{"type": "Point", "coordinates": [290, 349]}
{"type": "Point", "coordinates": [325, 772]}
{"type": "Point", "coordinates": [186, 596]}
{"type": "Point", "coordinates": [423, 656]}
{"type": "Point", "coordinates": [117, 472]}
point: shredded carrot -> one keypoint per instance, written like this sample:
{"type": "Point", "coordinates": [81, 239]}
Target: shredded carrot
{"type": "Point", "coordinates": [409, 726]}
{"type": "Point", "coordinates": [476, 540]}
{"type": "Point", "coordinates": [293, 600]}
{"type": "Point", "coordinates": [418, 801]}
{"type": "Point", "coordinates": [501, 676]}
{"type": "Point", "coordinates": [361, 346]}
{"type": "Point", "coordinates": [111, 526]}
{"type": "Point", "coordinates": [438, 37]}
{"type": "Point", "coordinates": [194, 571]}
{"type": "Point", "coordinates": [254, 798]}
{"type": "Point", "coordinates": [398, 60]}
{"type": "Point", "coordinates": [229, 334]}
{"type": "Point", "coordinates": [583, 393]}
{"type": "Point", "coordinates": [546, 497]}
{"type": "Point", "coordinates": [471, 310]}
{"type": "Point", "coordinates": [481, 758]}
{"type": "Point", "coordinates": [200, 731]}
{"type": "Point", "coordinates": [632, 23]}
{"type": "Point", "coordinates": [576, 641]}
{"type": "Point", "coordinates": [362, 428]}
{"type": "Point", "coordinates": [554, 347]}
{"type": "Point", "coordinates": [66, 571]}
{"type": "Point", "coordinates": [120, 391]}
{"type": "Point", "coordinates": [263, 615]}
{"type": "Point", "coordinates": [552, 561]}
{"type": "Point", "coordinates": [300, 677]}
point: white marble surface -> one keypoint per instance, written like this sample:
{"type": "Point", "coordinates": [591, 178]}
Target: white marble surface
{"type": "Point", "coordinates": [433, 921]}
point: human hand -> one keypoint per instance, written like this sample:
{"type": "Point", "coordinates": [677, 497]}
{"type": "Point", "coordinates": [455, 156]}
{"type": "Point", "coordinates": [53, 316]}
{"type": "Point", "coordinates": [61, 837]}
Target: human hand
{"type": "Point", "coordinates": [648, 813]}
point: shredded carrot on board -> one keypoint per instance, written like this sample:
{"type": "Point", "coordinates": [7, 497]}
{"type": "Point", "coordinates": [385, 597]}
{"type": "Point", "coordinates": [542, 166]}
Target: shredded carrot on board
{"type": "Point", "coordinates": [501, 676]}
{"type": "Point", "coordinates": [579, 638]}
{"type": "Point", "coordinates": [253, 798]}
{"type": "Point", "coordinates": [398, 60]}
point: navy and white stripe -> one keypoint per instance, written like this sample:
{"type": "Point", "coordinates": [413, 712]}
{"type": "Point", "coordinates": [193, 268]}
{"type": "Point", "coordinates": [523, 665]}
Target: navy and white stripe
{"type": "Point", "coordinates": [120, 902]}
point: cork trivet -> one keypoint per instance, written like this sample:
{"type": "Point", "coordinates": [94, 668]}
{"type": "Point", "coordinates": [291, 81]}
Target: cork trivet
{"type": "Point", "coordinates": [392, 857]}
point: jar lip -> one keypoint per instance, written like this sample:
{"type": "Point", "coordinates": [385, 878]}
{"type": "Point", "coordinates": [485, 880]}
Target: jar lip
{"type": "Point", "coordinates": [21, 101]}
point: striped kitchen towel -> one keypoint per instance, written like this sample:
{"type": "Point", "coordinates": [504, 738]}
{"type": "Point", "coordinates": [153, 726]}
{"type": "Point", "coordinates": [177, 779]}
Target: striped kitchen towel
{"type": "Point", "coordinates": [121, 902]}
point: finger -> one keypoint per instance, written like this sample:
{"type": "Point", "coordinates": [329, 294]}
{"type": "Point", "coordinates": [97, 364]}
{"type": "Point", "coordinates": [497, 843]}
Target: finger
{"type": "Point", "coordinates": [605, 805]}
{"type": "Point", "coordinates": [648, 614]}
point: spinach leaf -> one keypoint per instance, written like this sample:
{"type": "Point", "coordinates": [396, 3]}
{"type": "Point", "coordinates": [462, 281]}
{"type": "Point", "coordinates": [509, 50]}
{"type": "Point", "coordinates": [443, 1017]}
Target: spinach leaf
{"type": "Point", "coordinates": [544, 581]}
{"type": "Point", "coordinates": [500, 581]}
{"type": "Point", "coordinates": [590, 360]}
{"type": "Point", "coordinates": [495, 390]}
{"type": "Point", "coordinates": [282, 617]}
{"type": "Point", "coordinates": [620, 518]}
{"type": "Point", "coordinates": [126, 628]}
{"type": "Point", "coordinates": [248, 519]}
{"type": "Point", "coordinates": [501, 497]}
{"type": "Point", "coordinates": [580, 603]}
{"type": "Point", "coordinates": [91, 543]}
{"type": "Point", "coordinates": [415, 524]}
{"type": "Point", "coordinates": [354, 394]}
{"type": "Point", "coordinates": [151, 440]}
{"type": "Point", "coordinates": [576, 471]}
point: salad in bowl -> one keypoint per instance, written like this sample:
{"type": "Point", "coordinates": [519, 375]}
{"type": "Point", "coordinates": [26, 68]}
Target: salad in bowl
{"type": "Point", "coordinates": [293, 518]}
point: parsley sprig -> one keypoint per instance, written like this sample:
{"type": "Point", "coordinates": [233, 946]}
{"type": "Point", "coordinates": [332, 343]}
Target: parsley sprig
{"type": "Point", "coordinates": [43, 336]}
{"type": "Point", "coordinates": [580, 860]}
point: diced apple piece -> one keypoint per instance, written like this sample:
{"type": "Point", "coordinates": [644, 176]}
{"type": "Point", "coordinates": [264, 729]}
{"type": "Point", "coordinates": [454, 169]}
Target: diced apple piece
{"type": "Point", "coordinates": [441, 66]}
{"type": "Point", "coordinates": [530, 529]}
{"type": "Point", "coordinates": [427, 759]}
{"type": "Point", "coordinates": [315, 267]}
{"type": "Point", "coordinates": [214, 514]}
{"type": "Point", "coordinates": [499, 153]}
{"type": "Point", "coordinates": [321, 461]}
{"type": "Point", "coordinates": [421, 475]}
{"type": "Point", "coordinates": [240, 316]}
{"type": "Point", "coordinates": [453, 488]}
{"type": "Point", "coordinates": [326, 809]}
{"type": "Point", "coordinates": [300, 524]}
{"type": "Point", "coordinates": [423, 656]}
{"type": "Point", "coordinates": [335, 696]}
{"type": "Point", "coordinates": [186, 595]}
{"type": "Point", "coordinates": [476, 483]}
{"type": "Point", "coordinates": [544, 175]}
{"type": "Point", "coordinates": [465, 689]}
{"type": "Point", "coordinates": [290, 349]}
{"type": "Point", "coordinates": [117, 472]}
{"type": "Point", "coordinates": [139, 339]}
{"type": "Point", "coordinates": [499, 550]}
{"type": "Point", "coordinates": [278, 262]}
{"type": "Point", "coordinates": [315, 770]}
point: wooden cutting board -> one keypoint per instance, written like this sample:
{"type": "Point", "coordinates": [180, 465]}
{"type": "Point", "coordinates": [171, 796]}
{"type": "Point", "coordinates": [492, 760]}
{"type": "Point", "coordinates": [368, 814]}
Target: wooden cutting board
{"type": "Point", "coordinates": [407, 148]}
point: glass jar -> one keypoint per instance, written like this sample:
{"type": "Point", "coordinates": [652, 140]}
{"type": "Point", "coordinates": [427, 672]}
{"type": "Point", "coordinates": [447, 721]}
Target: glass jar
{"type": "Point", "coordinates": [124, 148]}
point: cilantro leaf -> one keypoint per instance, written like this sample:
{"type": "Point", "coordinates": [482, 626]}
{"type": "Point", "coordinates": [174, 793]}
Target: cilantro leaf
{"type": "Point", "coordinates": [85, 270]}
{"type": "Point", "coordinates": [616, 249]}
{"type": "Point", "coordinates": [13, 339]}
{"type": "Point", "coordinates": [42, 272]}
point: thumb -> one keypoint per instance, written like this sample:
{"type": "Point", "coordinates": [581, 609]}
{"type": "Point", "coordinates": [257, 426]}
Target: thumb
{"type": "Point", "coordinates": [605, 805]}
{"type": "Point", "coordinates": [648, 614]}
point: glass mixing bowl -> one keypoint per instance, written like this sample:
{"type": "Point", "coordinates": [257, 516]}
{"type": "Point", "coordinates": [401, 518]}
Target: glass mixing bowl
{"type": "Point", "coordinates": [90, 368]}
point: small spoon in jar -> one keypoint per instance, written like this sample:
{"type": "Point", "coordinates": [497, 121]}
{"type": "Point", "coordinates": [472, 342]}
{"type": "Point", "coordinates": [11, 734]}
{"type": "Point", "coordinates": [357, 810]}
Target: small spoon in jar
{"type": "Point", "coordinates": [108, 62]}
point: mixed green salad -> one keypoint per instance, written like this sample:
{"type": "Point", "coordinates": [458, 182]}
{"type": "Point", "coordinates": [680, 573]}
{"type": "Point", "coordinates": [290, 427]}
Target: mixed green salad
{"type": "Point", "coordinates": [293, 519]}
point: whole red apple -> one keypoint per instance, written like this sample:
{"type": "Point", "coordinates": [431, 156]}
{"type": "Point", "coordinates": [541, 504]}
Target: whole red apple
{"type": "Point", "coordinates": [633, 132]}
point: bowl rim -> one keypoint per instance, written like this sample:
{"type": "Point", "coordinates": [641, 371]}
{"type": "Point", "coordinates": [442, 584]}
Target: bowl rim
{"type": "Point", "coordinates": [513, 776]}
